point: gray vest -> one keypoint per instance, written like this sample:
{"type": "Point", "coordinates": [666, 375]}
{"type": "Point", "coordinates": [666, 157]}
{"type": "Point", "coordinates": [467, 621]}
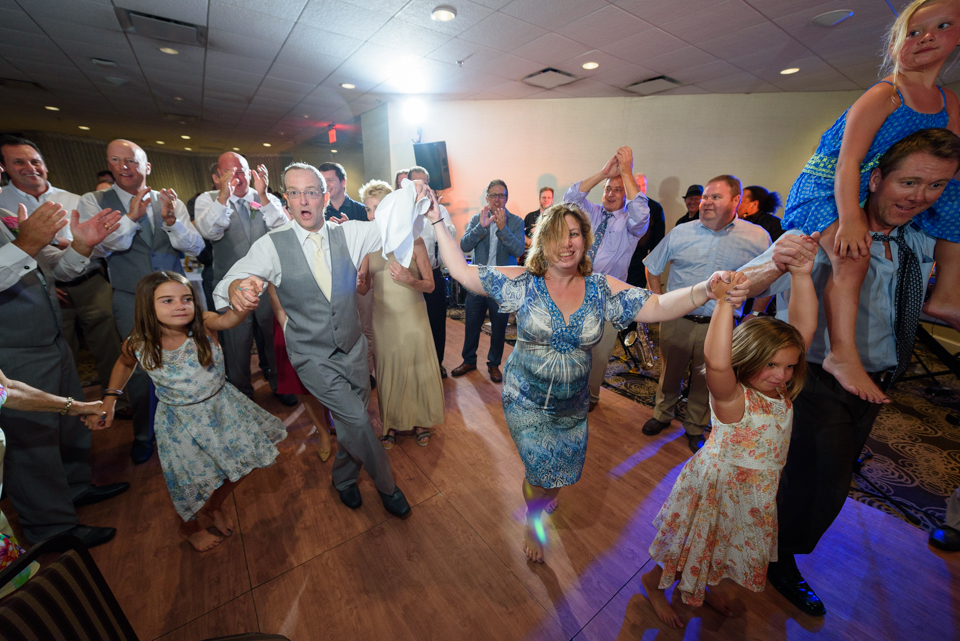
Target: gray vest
{"type": "Point", "coordinates": [129, 266]}
{"type": "Point", "coordinates": [236, 239]}
{"type": "Point", "coordinates": [316, 326]}
{"type": "Point", "coordinates": [29, 311]}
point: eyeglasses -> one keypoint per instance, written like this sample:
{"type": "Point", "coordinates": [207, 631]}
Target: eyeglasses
{"type": "Point", "coordinates": [497, 196]}
{"type": "Point", "coordinates": [312, 194]}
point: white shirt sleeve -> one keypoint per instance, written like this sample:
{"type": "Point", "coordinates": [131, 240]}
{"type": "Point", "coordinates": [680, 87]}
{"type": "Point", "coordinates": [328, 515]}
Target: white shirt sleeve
{"type": "Point", "coordinates": [65, 264]}
{"type": "Point", "coordinates": [118, 241]}
{"type": "Point", "coordinates": [183, 235]}
{"type": "Point", "coordinates": [210, 218]}
{"type": "Point", "coordinates": [363, 237]}
{"type": "Point", "coordinates": [261, 261]}
{"type": "Point", "coordinates": [14, 264]}
{"type": "Point", "coordinates": [273, 214]}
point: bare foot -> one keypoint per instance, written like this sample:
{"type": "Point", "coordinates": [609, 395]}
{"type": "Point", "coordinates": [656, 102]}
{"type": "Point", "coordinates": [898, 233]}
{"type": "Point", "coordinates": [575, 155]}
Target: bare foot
{"type": "Point", "coordinates": [714, 598]}
{"type": "Point", "coordinates": [552, 506]}
{"type": "Point", "coordinates": [949, 315]}
{"type": "Point", "coordinates": [658, 598]}
{"type": "Point", "coordinates": [853, 378]}
{"type": "Point", "coordinates": [222, 521]}
{"type": "Point", "coordinates": [202, 540]}
{"type": "Point", "coordinates": [532, 544]}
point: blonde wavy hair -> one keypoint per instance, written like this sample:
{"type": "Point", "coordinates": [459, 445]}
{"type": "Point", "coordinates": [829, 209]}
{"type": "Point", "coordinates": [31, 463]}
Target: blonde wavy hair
{"type": "Point", "coordinates": [897, 36]}
{"type": "Point", "coordinates": [551, 231]}
{"type": "Point", "coordinates": [756, 341]}
{"type": "Point", "coordinates": [375, 189]}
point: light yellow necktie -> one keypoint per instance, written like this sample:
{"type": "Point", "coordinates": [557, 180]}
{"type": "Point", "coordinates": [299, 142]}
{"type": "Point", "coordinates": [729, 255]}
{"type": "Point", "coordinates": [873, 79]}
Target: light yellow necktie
{"type": "Point", "coordinates": [320, 270]}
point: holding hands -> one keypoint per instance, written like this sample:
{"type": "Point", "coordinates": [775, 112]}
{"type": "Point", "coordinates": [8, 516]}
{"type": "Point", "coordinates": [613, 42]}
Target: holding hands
{"type": "Point", "coordinates": [245, 294]}
{"type": "Point", "coordinates": [791, 250]}
{"type": "Point", "coordinates": [728, 287]}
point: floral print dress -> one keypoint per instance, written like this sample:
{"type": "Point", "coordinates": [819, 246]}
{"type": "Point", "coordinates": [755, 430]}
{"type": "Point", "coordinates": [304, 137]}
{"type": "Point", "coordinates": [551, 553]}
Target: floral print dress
{"type": "Point", "coordinates": [720, 520]}
{"type": "Point", "coordinates": [207, 431]}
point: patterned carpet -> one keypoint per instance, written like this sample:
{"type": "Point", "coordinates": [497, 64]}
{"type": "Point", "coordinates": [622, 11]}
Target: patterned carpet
{"type": "Point", "coordinates": [915, 443]}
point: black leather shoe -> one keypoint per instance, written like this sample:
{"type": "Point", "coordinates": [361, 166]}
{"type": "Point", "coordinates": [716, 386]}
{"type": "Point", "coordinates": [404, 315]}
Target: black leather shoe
{"type": "Point", "coordinates": [141, 451]}
{"type": "Point", "coordinates": [695, 442]}
{"type": "Point", "coordinates": [945, 538]}
{"type": "Point", "coordinates": [92, 536]}
{"type": "Point", "coordinates": [289, 400]}
{"type": "Point", "coordinates": [654, 427]}
{"type": "Point", "coordinates": [96, 494]}
{"type": "Point", "coordinates": [373, 382]}
{"type": "Point", "coordinates": [396, 503]}
{"type": "Point", "coordinates": [350, 496]}
{"type": "Point", "coordinates": [788, 581]}
{"type": "Point", "coordinates": [443, 372]}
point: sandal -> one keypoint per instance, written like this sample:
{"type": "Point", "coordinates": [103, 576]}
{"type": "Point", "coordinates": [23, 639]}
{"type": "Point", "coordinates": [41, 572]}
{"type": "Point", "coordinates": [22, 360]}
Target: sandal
{"type": "Point", "coordinates": [388, 440]}
{"type": "Point", "coordinates": [422, 435]}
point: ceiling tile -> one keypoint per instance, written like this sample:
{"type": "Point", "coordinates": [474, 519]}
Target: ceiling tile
{"type": "Point", "coordinates": [550, 49]}
{"type": "Point", "coordinates": [676, 61]}
{"type": "Point", "coordinates": [710, 71]}
{"type": "Point", "coordinates": [514, 89]}
{"type": "Point", "coordinates": [625, 76]}
{"type": "Point", "coordinates": [385, 6]}
{"type": "Point", "coordinates": [649, 44]}
{"type": "Point", "coordinates": [729, 15]}
{"type": "Point", "coordinates": [373, 63]}
{"type": "Point", "coordinates": [313, 40]}
{"type": "Point", "coordinates": [77, 12]}
{"type": "Point", "coordinates": [605, 60]}
{"type": "Point", "coordinates": [217, 89]}
{"type": "Point", "coordinates": [774, 9]}
{"type": "Point", "coordinates": [609, 24]}
{"type": "Point", "coordinates": [470, 53]}
{"type": "Point", "coordinates": [248, 48]}
{"type": "Point", "coordinates": [500, 31]}
{"type": "Point", "coordinates": [659, 12]}
{"type": "Point", "coordinates": [240, 75]}
{"type": "Point", "coordinates": [253, 25]}
{"type": "Point", "coordinates": [17, 20]}
{"type": "Point", "coordinates": [190, 11]}
{"type": "Point", "coordinates": [469, 13]}
{"type": "Point", "coordinates": [413, 38]}
{"type": "Point", "coordinates": [587, 88]}
{"type": "Point", "coordinates": [493, 4]}
{"type": "Point", "coordinates": [296, 74]}
{"type": "Point", "coordinates": [298, 58]}
{"type": "Point", "coordinates": [551, 14]}
{"type": "Point", "coordinates": [683, 91]}
{"type": "Point", "coordinates": [510, 66]}
{"type": "Point", "coordinates": [741, 83]}
{"type": "Point", "coordinates": [288, 9]}
{"type": "Point", "coordinates": [341, 17]}
{"type": "Point", "coordinates": [300, 89]}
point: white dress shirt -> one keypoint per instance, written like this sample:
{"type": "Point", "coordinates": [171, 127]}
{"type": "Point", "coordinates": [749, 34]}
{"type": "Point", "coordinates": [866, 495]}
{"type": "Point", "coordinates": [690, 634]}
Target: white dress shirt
{"type": "Point", "coordinates": [263, 262]}
{"type": "Point", "coordinates": [16, 263]}
{"type": "Point", "coordinates": [429, 237]}
{"type": "Point", "coordinates": [212, 219]}
{"type": "Point", "coordinates": [11, 198]}
{"type": "Point", "coordinates": [182, 234]}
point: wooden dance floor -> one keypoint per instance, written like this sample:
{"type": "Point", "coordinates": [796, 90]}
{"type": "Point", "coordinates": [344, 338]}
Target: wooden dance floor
{"type": "Point", "coordinates": [303, 565]}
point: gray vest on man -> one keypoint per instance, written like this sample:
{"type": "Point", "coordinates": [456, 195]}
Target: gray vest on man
{"type": "Point", "coordinates": [149, 252]}
{"type": "Point", "coordinates": [317, 326]}
{"type": "Point", "coordinates": [237, 238]}
{"type": "Point", "coordinates": [29, 311]}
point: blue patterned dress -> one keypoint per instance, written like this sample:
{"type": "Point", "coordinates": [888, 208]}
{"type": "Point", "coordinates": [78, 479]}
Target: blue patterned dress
{"type": "Point", "coordinates": [545, 381]}
{"type": "Point", "coordinates": [207, 431]}
{"type": "Point", "coordinates": [811, 205]}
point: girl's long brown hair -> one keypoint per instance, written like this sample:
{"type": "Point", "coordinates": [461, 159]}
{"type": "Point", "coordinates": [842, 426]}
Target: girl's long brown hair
{"type": "Point", "coordinates": [145, 338]}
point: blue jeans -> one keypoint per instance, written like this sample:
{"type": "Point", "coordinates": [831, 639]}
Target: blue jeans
{"type": "Point", "coordinates": [475, 312]}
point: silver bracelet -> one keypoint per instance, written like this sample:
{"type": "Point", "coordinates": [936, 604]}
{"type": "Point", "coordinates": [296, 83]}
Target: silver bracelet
{"type": "Point", "coordinates": [691, 297]}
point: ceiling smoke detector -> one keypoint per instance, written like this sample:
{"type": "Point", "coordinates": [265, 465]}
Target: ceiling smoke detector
{"type": "Point", "coordinates": [143, 24]}
{"type": "Point", "coordinates": [549, 78]}
{"type": "Point", "coordinates": [653, 85]}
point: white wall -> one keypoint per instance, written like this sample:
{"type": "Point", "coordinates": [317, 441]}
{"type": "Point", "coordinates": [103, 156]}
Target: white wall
{"type": "Point", "coordinates": [763, 139]}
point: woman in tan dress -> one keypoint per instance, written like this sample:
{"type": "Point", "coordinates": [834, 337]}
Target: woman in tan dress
{"type": "Point", "coordinates": [409, 388]}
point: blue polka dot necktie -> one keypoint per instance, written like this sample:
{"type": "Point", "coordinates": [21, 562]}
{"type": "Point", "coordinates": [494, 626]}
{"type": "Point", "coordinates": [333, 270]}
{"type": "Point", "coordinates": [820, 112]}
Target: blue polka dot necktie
{"type": "Point", "coordinates": [598, 237]}
{"type": "Point", "coordinates": [908, 300]}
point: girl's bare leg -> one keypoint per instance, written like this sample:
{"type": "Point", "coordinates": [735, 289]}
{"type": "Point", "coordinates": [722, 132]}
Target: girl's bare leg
{"type": "Point", "coordinates": [841, 299]}
{"type": "Point", "coordinates": [222, 519]}
{"type": "Point", "coordinates": [716, 599]}
{"type": "Point", "coordinates": [658, 598]}
{"type": "Point", "coordinates": [534, 536]}
{"type": "Point", "coordinates": [944, 303]}
{"type": "Point", "coordinates": [320, 416]}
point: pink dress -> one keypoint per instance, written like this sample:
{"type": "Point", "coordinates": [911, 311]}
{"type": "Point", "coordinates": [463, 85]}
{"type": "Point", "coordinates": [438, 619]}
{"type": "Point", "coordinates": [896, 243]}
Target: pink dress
{"type": "Point", "coordinates": [720, 520]}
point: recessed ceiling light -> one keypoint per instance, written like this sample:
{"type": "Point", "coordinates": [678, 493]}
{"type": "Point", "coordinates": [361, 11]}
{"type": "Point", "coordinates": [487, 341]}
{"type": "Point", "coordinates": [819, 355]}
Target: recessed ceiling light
{"type": "Point", "coordinates": [103, 62]}
{"type": "Point", "coordinates": [333, 151]}
{"type": "Point", "coordinates": [236, 148]}
{"type": "Point", "coordinates": [185, 137]}
{"type": "Point", "coordinates": [114, 80]}
{"type": "Point", "coordinates": [444, 13]}
{"type": "Point", "coordinates": [160, 142]}
{"type": "Point", "coordinates": [83, 128]}
{"type": "Point", "coordinates": [178, 98]}
{"type": "Point", "coordinates": [52, 108]}
{"type": "Point", "coordinates": [347, 85]}
{"type": "Point", "coordinates": [306, 115]}
{"type": "Point", "coordinates": [266, 144]}
{"type": "Point", "coordinates": [169, 50]}
{"type": "Point", "coordinates": [831, 18]}
{"type": "Point", "coordinates": [189, 148]}
{"type": "Point", "coordinates": [787, 72]}
{"type": "Point", "coordinates": [590, 65]}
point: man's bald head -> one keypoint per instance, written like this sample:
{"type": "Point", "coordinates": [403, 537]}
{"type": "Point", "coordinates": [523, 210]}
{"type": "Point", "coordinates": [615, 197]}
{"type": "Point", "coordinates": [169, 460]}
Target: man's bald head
{"type": "Point", "coordinates": [232, 161]}
{"type": "Point", "coordinates": [641, 182]}
{"type": "Point", "coordinates": [128, 162]}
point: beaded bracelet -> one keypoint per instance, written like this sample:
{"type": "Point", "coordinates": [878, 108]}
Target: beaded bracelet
{"type": "Point", "coordinates": [66, 407]}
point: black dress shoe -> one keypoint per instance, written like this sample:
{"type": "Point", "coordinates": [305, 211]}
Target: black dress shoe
{"type": "Point", "coordinates": [396, 503]}
{"type": "Point", "coordinates": [786, 578]}
{"type": "Point", "coordinates": [289, 400]}
{"type": "Point", "coordinates": [373, 382]}
{"type": "Point", "coordinates": [92, 536]}
{"type": "Point", "coordinates": [141, 451]}
{"type": "Point", "coordinates": [443, 372]}
{"type": "Point", "coordinates": [695, 442]}
{"type": "Point", "coordinates": [350, 496]}
{"type": "Point", "coordinates": [945, 538]}
{"type": "Point", "coordinates": [100, 493]}
{"type": "Point", "coordinates": [654, 427]}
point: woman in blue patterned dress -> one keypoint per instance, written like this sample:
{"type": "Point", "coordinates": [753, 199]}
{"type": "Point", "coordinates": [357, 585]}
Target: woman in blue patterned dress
{"type": "Point", "coordinates": [209, 435]}
{"type": "Point", "coordinates": [829, 195]}
{"type": "Point", "coordinates": [560, 307]}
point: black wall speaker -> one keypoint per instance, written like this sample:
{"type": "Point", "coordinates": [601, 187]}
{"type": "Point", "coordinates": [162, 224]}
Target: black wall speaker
{"type": "Point", "coordinates": [432, 156]}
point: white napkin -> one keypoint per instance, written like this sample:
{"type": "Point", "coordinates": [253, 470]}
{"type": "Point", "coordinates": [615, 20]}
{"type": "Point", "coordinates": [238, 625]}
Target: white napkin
{"type": "Point", "coordinates": [400, 221]}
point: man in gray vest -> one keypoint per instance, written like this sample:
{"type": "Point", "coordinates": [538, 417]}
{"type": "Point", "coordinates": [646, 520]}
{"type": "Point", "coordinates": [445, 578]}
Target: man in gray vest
{"type": "Point", "coordinates": [233, 218]}
{"type": "Point", "coordinates": [156, 227]}
{"type": "Point", "coordinates": [314, 269]}
{"type": "Point", "coordinates": [47, 471]}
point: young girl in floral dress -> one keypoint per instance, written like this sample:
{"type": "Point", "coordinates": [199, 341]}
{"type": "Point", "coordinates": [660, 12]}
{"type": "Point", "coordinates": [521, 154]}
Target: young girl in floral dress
{"type": "Point", "coordinates": [720, 520]}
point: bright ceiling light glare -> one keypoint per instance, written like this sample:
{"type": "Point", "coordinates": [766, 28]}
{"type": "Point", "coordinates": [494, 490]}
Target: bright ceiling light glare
{"type": "Point", "coordinates": [791, 70]}
{"type": "Point", "coordinates": [333, 151]}
{"type": "Point", "coordinates": [590, 65]}
{"type": "Point", "coordinates": [160, 142]}
{"type": "Point", "coordinates": [188, 148]}
{"type": "Point", "coordinates": [444, 13]}
{"type": "Point", "coordinates": [415, 111]}
{"type": "Point", "coordinates": [831, 18]}
{"type": "Point", "coordinates": [169, 50]}
{"type": "Point", "coordinates": [178, 98]}
{"type": "Point", "coordinates": [347, 85]}
{"type": "Point", "coordinates": [83, 128]}
{"type": "Point", "coordinates": [52, 108]}
{"type": "Point", "coordinates": [185, 137]}
{"type": "Point", "coordinates": [236, 148]}
{"type": "Point", "coordinates": [266, 144]}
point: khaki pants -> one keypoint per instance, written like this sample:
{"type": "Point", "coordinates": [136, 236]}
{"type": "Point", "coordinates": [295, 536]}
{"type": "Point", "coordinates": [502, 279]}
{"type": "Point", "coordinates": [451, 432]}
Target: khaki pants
{"type": "Point", "coordinates": [681, 344]}
{"type": "Point", "coordinates": [601, 357]}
